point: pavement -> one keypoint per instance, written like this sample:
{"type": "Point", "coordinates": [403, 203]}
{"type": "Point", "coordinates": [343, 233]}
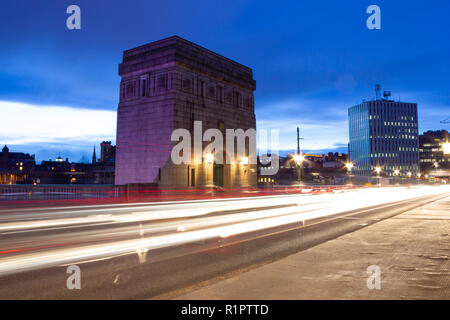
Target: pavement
{"type": "Point", "coordinates": [412, 251]}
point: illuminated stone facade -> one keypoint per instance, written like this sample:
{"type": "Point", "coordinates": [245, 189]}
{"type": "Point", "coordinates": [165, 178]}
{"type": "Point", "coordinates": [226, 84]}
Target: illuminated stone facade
{"type": "Point", "coordinates": [169, 84]}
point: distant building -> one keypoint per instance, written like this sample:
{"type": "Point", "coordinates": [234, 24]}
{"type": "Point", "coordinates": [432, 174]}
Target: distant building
{"type": "Point", "coordinates": [334, 160]}
{"type": "Point", "coordinates": [53, 172]}
{"type": "Point", "coordinates": [169, 84]}
{"type": "Point", "coordinates": [103, 171]}
{"type": "Point", "coordinates": [16, 167]}
{"type": "Point", "coordinates": [60, 171]}
{"type": "Point", "coordinates": [107, 152]}
{"type": "Point", "coordinates": [431, 151]}
{"type": "Point", "coordinates": [384, 133]}
{"type": "Point", "coordinates": [315, 169]}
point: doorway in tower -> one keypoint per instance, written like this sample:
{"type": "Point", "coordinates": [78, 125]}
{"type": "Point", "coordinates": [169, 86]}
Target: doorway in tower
{"type": "Point", "coordinates": [190, 176]}
{"type": "Point", "coordinates": [218, 174]}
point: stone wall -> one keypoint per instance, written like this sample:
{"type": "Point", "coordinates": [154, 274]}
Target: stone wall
{"type": "Point", "coordinates": [170, 84]}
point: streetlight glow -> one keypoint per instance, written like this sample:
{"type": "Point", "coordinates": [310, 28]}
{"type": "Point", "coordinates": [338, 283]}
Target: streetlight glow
{"type": "Point", "coordinates": [446, 147]}
{"type": "Point", "coordinates": [209, 158]}
{"type": "Point", "coordinates": [299, 158]}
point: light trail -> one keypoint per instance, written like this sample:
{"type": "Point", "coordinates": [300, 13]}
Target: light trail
{"type": "Point", "coordinates": [191, 225]}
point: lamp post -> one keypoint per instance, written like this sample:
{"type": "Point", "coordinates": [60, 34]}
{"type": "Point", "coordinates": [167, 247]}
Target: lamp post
{"type": "Point", "coordinates": [209, 160]}
{"type": "Point", "coordinates": [378, 171]}
{"type": "Point", "coordinates": [244, 163]}
{"type": "Point", "coordinates": [396, 173]}
{"type": "Point", "coordinates": [299, 158]}
{"type": "Point", "coordinates": [349, 167]}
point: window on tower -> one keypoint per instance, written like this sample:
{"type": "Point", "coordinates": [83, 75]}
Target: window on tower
{"type": "Point", "coordinates": [162, 82]}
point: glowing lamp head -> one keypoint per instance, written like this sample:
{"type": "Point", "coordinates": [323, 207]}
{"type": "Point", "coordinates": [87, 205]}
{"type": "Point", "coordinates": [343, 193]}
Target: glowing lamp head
{"type": "Point", "coordinates": [349, 166]}
{"type": "Point", "coordinates": [446, 148]}
{"type": "Point", "coordinates": [409, 174]}
{"type": "Point", "coordinates": [396, 172]}
{"type": "Point", "coordinates": [209, 158]}
{"type": "Point", "coordinates": [378, 170]}
{"type": "Point", "coordinates": [245, 160]}
{"type": "Point", "coordinates": [419, 175]}
{"type": "Point", "coordinates": [299, 158]}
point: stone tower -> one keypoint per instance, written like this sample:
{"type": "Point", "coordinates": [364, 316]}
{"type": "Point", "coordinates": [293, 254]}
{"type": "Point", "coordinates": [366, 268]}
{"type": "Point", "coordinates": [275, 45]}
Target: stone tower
{"type": "Point", "coordinates": [169, 84]}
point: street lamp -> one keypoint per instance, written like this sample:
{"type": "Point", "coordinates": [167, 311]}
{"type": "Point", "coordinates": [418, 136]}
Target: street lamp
{"type": "Point", "coordinates": [446, 147]}
{"type": "Point", "coordinates": [209, 158]}
{"type": "Point", "coordinates": [396, 173]}
{"type": "Point", "coordinates": [244, 160]}
{"type": "Point", "coordinates": [378, 171]}
{"type": "Point", "coordinates": [349, 167]}
{"type": "Point", "coordinates": [299, 158]}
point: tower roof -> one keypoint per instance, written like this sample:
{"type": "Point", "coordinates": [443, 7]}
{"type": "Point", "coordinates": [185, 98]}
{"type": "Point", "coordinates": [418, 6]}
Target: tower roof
{"type": "Point", "coordinates": [189, 55]}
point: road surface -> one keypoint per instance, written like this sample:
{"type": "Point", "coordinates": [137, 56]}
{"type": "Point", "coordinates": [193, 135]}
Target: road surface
{"type": "Point", "coordinates": [143, 250]}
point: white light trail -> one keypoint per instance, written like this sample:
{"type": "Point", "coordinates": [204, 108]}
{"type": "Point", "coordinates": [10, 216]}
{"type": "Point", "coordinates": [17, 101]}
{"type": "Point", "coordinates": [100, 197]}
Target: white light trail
{"type": "Point", "coordinates": [219, 226]}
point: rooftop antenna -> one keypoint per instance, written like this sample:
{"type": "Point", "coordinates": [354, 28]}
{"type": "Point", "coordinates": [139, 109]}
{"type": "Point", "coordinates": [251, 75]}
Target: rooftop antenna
{"type": "Point", "coordinates": [377, 92]}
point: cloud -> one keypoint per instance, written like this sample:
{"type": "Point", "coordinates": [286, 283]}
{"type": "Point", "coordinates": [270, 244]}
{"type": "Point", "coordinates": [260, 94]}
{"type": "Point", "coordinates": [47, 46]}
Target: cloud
{"type": "Point", "coordinates": [26, 123]}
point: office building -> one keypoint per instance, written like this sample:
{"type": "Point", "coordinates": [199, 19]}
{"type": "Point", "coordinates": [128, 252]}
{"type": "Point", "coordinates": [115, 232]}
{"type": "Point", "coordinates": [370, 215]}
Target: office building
{"type": "Point", "coordinates": [384, 134]}
{"type": "Point", "coordinates": [431, 150]}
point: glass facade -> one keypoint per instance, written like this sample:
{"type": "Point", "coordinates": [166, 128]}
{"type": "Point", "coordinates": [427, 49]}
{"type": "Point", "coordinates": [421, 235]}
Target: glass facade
{"type": "Point", "coordinates": [384, 134]}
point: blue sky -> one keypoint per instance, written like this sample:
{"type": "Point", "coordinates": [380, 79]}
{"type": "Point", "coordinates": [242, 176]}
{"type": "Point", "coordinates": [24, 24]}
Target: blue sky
{"type": "Point", "coordinates": [311, 60]}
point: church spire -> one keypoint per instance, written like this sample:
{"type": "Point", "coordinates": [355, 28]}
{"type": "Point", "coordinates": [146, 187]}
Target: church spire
{"type": "Point", "coordinates": [94, 157]}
